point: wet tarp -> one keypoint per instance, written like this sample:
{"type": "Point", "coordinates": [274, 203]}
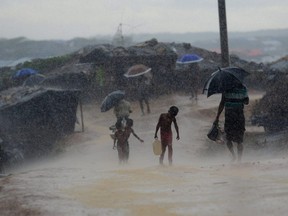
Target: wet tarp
{"type": "Point", "coordinates": [271, 111]}
{"type": "Point", "coordinates": [99, 54]}
{"type": "Point", "coordinates": [66, 80]}
{"type": "Point", "coordinates": [103, 54]}
{"type": "Point", "coordinates": [281, 65]}
{"type": "Point", "coordinates": [32, 119]}
{"type": "Point", "coordinates": [34, 80]}
{"type": "Point", "coordinates": [115, 61]}
{"type": "Point", "coordinates": [106, 64]}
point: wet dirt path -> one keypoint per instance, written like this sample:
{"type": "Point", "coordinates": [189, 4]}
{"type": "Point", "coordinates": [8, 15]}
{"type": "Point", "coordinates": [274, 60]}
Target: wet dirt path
{"type": "Point", "coordinates": [86, 179]}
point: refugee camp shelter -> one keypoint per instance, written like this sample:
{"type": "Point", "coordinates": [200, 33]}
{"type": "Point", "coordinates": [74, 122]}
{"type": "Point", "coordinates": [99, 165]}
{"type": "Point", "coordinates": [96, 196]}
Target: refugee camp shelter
{"type": "Point", "coordinates": [32, 119]}
{"type": "Point", "coordinates": [115, 61]}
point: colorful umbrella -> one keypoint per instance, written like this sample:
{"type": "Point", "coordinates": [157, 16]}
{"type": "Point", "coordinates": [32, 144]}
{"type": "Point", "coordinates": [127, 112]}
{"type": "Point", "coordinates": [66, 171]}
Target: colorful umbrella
{"type": "Point", "coordinates": [137, 70]}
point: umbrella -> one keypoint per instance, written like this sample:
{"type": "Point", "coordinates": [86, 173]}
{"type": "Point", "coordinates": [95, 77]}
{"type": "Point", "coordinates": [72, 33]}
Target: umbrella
{"type": "Point", "coordinates": [137, 70]}
{"type": "Point", "coordinates": [224, 79]}
{"type": "Point", "coordinates": [189, 58]}
{"type": "Point", "coordinates": [111, 100]}
{"type": "Point", "coordinates": [24, 72]}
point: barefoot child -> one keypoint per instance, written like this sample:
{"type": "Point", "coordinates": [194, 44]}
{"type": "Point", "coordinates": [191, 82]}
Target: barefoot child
{"type": "Point", "coordinates": [164, 123]}
{"type": "Point", "coordinates": [121, 137]}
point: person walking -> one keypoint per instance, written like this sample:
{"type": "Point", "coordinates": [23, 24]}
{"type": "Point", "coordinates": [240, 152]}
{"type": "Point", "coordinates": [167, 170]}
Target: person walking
{"type": "Point", "coordinates": [121, 138]}
{"type": "Point", "coordinates": [193, 78]}
{"type": "Point", "coordinates": [128, 131]}
{"type": "Point", "coordinates": [120, 142]}
{"type": "Point", "coordinates": [234, 126]}
{"type": "Point", "coordinates": [164, 124]}
{"type": "Point", "coordinates": [143, 93]}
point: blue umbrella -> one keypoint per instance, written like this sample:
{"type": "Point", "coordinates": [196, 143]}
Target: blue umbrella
{"type": "Point", "coordinates": [189, 58]}
{"type": "Point", "coordinates": [24, 72]}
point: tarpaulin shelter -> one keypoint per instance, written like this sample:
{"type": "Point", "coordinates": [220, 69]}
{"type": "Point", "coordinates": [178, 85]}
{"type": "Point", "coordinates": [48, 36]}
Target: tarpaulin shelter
{"type": "Point", "coordinates": [31, 119]}
{"type": "Point", "coordinates": [117, 60]}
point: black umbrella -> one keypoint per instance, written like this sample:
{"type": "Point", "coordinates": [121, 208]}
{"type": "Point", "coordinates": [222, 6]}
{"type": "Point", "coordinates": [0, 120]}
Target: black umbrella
{"type": "Point", "coordinates": [111, 100]}
{"type": "Point", "coordinates": [224, 79]}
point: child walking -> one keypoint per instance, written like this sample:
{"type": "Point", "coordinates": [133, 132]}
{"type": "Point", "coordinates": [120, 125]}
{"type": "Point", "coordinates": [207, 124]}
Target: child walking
{"type": "Point", "coordinates": [121, 138]}
{"type": "Point", "coordinates": [164, 124]}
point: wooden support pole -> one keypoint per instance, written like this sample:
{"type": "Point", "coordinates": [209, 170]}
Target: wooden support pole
{"type": "Point", "coordinates": [225, 59]}
{"type": "Point", "coordinates": [81, 113]}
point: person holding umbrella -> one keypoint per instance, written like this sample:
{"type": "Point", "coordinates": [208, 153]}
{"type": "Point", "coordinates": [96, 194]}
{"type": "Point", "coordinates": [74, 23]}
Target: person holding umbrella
{"type": "Point", "coordinates": [194, 80]}
{"type": "Point", "coordinates": [143, 93]}
{"type": "Point", "coordinates": [143, 77]}
{"type": "Point", "coordinates": [122, 111]}
{"type": "Point", "coordinates": [122, 107]}
{"type": "Point", "coordinates": [228, 81]}
{"type": "Point", "coordinates": [191, 76]}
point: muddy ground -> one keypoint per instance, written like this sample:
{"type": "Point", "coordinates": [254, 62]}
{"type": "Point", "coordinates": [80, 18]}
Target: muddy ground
{"type": "Point", "coordinates": [83, 176]}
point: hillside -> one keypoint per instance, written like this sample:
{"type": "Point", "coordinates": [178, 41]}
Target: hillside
{"type": "Point", "coordinates": [258, 46]}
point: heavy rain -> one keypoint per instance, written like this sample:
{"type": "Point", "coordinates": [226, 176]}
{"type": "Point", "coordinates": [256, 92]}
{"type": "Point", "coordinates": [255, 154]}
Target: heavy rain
{"type": "Point", "coordinates": [62, 122]}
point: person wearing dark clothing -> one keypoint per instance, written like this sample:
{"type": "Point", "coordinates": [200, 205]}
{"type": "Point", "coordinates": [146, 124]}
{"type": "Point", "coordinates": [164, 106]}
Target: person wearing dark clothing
{"type": "Point", "coordinates": [122, 143]}
{"type": "Point", "coordinates": [143, 94]}
{"type": "Point", "coordinates": [234, 126]}
{"type": "Point", "coordinates": [194, 80]}
{"type": "Point", "coordinates": [164, 123]}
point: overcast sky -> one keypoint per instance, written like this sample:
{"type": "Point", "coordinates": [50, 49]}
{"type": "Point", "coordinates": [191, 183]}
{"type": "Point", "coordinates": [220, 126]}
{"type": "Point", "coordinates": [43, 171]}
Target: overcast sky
{"type": "Point", "coordinates": [66, 19]}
